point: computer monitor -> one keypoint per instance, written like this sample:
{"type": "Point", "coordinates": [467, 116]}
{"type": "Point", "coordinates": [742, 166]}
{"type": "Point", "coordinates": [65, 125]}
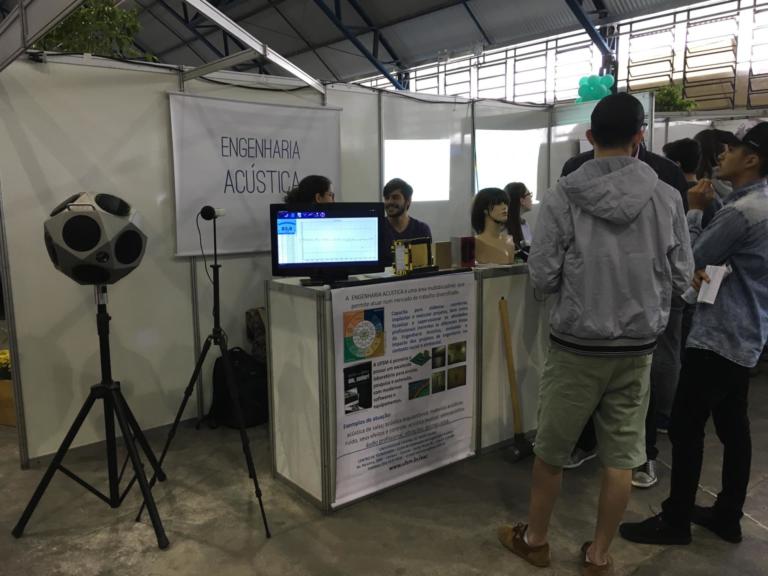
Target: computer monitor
{"type": "Point", "coordinates": [327, 242]}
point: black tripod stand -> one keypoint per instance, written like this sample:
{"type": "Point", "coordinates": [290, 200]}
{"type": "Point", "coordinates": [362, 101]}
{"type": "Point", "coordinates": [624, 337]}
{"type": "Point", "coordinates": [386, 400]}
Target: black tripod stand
{"type": "Point", "coordinates": [218, 337]}
{"type": "Point", "coordinates": [114, 406]}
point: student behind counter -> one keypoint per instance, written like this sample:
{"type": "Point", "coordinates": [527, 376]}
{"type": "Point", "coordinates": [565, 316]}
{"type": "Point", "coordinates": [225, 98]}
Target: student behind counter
{"type": "Point", "coordinates": [313, 189]}
{"type": "Point", "coordinates": [400, 226]}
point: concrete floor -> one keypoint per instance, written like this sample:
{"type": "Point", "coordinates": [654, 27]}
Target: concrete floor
{"type": "Point", "coordinates": [443, 523]}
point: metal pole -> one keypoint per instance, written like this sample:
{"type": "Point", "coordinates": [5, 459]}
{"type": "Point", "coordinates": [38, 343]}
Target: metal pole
{"type": "Point", "coordinates": [13, 340]}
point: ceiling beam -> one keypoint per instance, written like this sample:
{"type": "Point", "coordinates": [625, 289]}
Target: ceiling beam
{"type": "Point", "coordinates": [379, 37]}
{"type": "Point", "coordinates": [488, 41]}
{"type": "Point", "coordinates": [18, 32]}
{"type": "Point", "coordinates": [221, 64]}
{"type": "Point", "coordinates": [393, 22]}
{"type": "Point", "coordinates": [586, 23]}
{"type": "Point", "coordinates": [601, 9]}
{"type": "Point", "coordinates": [239, 18]}
{"type": "Point", "coordinates": [171, 29]}
{"type": "Point", "coordinates": [191, 28]}
{"type": "Point", "coordinates": [303, 39]}
{"type": "Point", "coordinates": [356, 42]}
{"type": "Point", "coordinates": [239, 33]}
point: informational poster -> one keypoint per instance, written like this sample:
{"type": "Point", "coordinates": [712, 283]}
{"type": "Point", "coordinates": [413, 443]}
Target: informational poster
{"type": "Point", "coordinates": [405, 387]}
{"type": "Point", "coordinates": [241, 157]}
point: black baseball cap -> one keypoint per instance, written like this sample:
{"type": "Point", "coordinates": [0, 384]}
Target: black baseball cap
{"type": "Point", "coordinates": [756, 138]}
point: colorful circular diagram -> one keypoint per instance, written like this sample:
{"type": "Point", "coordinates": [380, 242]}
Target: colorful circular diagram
{"type": "Point", "coordinates": [363, 334]}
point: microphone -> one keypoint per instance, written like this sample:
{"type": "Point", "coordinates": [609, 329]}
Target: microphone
{"type": "Point", "coordinates": [209, 212]}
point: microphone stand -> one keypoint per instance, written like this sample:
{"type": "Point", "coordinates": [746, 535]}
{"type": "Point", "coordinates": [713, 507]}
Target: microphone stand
{"type": "Point", "coordinates": [219, 338]}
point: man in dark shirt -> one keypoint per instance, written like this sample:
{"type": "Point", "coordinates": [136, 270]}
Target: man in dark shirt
{"type": "Point", "coordinates": [667, 170]}
{"type": "Point", "coordinates": [401, 226]}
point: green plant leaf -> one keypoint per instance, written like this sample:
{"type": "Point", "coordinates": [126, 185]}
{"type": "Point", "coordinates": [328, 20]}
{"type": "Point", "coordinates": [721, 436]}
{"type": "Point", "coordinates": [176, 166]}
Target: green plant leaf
{"type": "Point", "coordinates": [96, 27]}
{"type": "Point", "coordinates": [670, 99]}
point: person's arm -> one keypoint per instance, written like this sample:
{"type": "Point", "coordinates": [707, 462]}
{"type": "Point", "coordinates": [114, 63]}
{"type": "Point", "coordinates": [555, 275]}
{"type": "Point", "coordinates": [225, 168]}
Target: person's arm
{"type": "Point", "coordinates": [680, 257]}
{"type": "Point", "coordinates": [721, 238]}
{"type": "Point", "coordinates": [681, 184]}
{"type": "Point", "coordinates": [553, 235]}
{"type": "Point", "coordinates": [700, 197]}
{"type": "Point", "coordinates": [695, 224]}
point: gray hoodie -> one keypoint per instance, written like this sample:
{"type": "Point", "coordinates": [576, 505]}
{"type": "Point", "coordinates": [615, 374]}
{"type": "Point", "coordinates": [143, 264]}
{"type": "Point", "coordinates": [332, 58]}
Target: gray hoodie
{"type": "Point", "coordinates": [612, 241]}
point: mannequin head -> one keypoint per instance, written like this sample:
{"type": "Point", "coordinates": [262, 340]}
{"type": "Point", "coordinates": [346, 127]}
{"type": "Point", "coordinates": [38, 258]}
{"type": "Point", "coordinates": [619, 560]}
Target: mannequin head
{"type": "Point", "coordinates": [489, 210]}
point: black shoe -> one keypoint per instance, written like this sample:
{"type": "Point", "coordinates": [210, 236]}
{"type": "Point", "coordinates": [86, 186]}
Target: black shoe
{"type": "Point", "coordinates": [654, 530]}
{"type": "Point", "coordinates": [705, 517]}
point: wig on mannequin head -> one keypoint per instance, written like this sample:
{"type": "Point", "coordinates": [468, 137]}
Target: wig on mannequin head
{"type": "Point", "coordinates": [483, 203]}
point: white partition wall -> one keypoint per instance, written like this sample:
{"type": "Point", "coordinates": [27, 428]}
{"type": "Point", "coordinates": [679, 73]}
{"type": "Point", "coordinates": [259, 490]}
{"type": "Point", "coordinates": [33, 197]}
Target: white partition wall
{"type": "Point", "coordinates": [360, 154]}
{"type": "Point", "coordinates": [570, 123]}
{"type": "Point", "coordinates": [66, 129]}
{"type": "Point", "coordinates": [76, 124]}
{"type": "Point", "coordinates": [674, 126]}
{"type": "Point", "coordinates": [511, 145]}
{"type": "Point", "coordinates": [445, 129]}
{"type": "Point", "coordinates": [243, 277]}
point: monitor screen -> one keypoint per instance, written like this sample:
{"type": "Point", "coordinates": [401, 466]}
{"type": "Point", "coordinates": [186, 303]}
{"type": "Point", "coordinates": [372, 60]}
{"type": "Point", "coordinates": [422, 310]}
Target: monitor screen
{"type": "Point", "coordinates": [331, 240]}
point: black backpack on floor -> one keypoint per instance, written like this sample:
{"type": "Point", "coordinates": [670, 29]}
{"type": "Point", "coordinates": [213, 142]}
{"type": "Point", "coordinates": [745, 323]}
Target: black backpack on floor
{"type": "Point", "coordinates": [251, 382]}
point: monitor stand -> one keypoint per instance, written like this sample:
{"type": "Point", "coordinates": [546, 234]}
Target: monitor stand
{"type": "Point", "coordinates": [329, 278]}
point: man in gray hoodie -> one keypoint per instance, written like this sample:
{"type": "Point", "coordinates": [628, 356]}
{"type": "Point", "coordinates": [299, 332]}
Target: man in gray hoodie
{"type": "Point", "coordinates": [612, 244]}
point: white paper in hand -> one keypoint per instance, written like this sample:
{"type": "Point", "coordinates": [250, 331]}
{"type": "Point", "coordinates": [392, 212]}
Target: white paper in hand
{"type": "Point", "coordinates": [709, 290]}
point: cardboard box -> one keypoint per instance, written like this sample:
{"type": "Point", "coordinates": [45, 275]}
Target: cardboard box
{"type": "Point", "coordinates": [7, 407]}
{"type": "Point", "coordinates": [443, 256]}
{"type": "Point", "coordinates": [463, 251]}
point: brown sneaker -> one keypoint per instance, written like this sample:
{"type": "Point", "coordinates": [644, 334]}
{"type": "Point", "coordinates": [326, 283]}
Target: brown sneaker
{"type": "Point", "coordinates": [589, 569]}
{"type": "Point", "coordinates": [513, 538]}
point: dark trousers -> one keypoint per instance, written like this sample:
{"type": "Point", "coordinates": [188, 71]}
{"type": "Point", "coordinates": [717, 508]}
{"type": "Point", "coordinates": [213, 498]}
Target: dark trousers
{"type": "Point", "coordinates": [709, 384]}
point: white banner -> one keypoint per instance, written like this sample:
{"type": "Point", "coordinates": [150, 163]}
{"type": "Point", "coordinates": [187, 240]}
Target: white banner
{"type": "Point", "coordinates": [405, 380]}
{"type": "Point", "coordinates": [242, 157]}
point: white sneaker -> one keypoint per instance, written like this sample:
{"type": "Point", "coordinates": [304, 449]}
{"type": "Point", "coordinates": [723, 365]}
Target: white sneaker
{"type": "Point", "coordinates": [645, 475]}
{"type": "Point", "coordinates": [578, 457]}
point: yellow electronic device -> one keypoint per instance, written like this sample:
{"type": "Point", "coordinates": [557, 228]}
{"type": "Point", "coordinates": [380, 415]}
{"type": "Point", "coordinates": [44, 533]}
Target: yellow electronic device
{"type": "Point", "coordinates": [413, 254]}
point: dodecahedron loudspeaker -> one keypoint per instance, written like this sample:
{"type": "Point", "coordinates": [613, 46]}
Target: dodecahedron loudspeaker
{"type": "Point", "coordinates": [94, 239]}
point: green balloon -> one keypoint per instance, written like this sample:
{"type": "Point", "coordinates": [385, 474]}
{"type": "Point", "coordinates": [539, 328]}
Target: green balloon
{"type": "Point", "coordinates": [595, 92]}
{"type": "Point", "coordinates": [584, 80]}
{"type": "Point", "coordinates": [579, 100]}
{"type": "Point", "coordinates": [594, 80]}
{"type": "Point", "coordinates": [584, 91]}
{"type": "Point", "coordinates": [607, 80]}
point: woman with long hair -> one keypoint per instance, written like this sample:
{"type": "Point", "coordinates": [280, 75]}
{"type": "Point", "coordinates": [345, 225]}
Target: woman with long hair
{"type": "Point", "coordinates": [313, 189]}
{"type": "Point", "coordinates": [520, 201]}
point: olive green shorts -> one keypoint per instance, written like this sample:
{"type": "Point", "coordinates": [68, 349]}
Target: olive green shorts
{"type": "Point", "coordinates": [574, 387]}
